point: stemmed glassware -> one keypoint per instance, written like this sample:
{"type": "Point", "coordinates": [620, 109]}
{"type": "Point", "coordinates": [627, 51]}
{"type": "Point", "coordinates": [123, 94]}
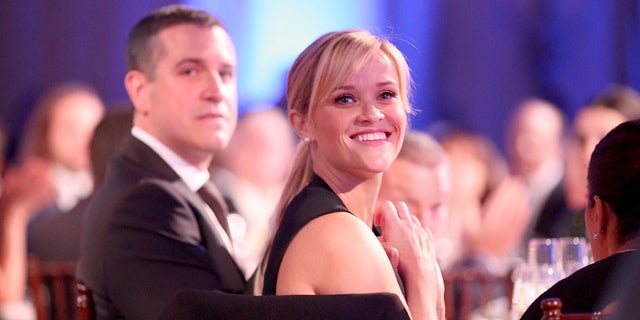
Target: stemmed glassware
{"type": "Point", "coordinates": [548, 261]}
{"type": "Point", "coordinates": [575, 254]}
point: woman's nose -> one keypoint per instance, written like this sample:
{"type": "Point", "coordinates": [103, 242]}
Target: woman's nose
{"type": "Point", "coordinates": [371, 113]}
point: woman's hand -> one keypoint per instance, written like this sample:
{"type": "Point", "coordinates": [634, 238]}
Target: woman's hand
{"type": "Point", "coordinates": [416, 259]}
{"type": "Point", "coordinates": [26, 188]}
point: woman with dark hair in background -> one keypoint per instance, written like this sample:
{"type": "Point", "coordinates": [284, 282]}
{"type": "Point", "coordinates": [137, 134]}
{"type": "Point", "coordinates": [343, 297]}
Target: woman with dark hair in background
{"type": "Point", "coordinates": [612, 219]}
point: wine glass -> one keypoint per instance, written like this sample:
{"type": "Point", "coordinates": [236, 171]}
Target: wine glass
{"type": "Point", "coordinates": [574, 253]}
{"type": "Point", "coordinates": [545, 260]}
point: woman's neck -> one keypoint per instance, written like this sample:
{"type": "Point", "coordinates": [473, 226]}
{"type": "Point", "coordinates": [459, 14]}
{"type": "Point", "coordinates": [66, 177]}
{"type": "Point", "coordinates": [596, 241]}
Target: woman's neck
{"type": "Point", "coordinates": [359, 195]}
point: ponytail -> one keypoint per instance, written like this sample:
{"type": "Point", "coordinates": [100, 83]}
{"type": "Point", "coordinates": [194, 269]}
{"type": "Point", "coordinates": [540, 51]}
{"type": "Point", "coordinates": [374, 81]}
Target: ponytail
{"type": "Point", "coordinates": [299, 176]}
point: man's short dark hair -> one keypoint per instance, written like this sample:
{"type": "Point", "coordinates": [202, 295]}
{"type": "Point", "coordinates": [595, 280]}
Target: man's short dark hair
{"type": "Point", "coordinates": [143, 47]}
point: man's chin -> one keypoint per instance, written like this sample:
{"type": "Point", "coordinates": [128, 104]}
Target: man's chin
{"type": "Point", "coordinates": [218, 144]}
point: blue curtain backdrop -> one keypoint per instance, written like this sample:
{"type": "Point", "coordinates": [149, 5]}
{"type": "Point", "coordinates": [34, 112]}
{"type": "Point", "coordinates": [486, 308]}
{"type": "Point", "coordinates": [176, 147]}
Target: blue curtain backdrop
{"type": "Point", "coordinates": [472, 60]}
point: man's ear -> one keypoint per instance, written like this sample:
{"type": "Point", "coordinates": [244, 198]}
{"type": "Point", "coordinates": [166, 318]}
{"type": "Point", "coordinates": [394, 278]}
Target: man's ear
{"type": "Point", "coordinates": [136, 84]}
{"type": "Point", "coordinates": [299, 123]}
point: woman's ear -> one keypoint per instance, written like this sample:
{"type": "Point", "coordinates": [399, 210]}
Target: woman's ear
{"type": "Point", "coordinates": [601, 212]}
{"type": "Point", "coordinates": [299, 124]}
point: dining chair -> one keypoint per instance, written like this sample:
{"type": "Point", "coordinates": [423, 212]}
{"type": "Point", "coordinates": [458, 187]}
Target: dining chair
{"type": "Point", "coordinates": [52, 287]}
{"type": "Point", "coordinates": [208, 304]}
{"type": "Point", "coordinates": [470, 290]}
{"type": "Point", "coordinates": [552, 310]}
{"type": "Point", "coordinates": [85, 308]}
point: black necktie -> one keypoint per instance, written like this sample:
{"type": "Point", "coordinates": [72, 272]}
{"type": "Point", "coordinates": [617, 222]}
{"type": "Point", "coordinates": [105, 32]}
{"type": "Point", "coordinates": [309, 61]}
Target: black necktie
{"type": "Point", "coordinates": [214, 199]}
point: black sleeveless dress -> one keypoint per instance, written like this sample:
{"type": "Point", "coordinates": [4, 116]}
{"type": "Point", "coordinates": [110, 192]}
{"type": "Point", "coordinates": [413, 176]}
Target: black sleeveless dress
{"type": "Point", "coordinates": [315, 200]}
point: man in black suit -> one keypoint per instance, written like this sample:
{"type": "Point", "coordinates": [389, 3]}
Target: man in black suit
{"type": "Point", "coordinates": [148, 233]}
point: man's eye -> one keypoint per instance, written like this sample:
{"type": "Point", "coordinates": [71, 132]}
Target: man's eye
{"type": "Point", "coordinates": [190, 72]}
{"type": "Point", "coordinates": [226, 74]}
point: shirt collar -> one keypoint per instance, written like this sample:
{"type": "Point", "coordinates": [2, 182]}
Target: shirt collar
{"type": "Point", "coordinates": [190, 174]}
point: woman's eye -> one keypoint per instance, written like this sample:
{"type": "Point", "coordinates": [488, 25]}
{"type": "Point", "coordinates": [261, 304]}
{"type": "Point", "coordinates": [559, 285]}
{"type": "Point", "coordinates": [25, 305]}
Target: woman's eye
{"type": "Point", "coordinates": [388, 95]}
{"type": "Point", "coordinates": [344, 99]}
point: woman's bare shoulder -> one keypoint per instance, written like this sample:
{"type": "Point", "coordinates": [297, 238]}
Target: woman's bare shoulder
{"type": "Point", "coordinates": [335, 253]}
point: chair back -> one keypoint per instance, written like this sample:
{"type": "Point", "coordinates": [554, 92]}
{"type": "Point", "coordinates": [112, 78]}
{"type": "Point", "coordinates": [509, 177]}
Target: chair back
{"type": "Point", "coordinates": [52, 286]}
{"type": "Point", "coordinates": [85, 308]}
{"type": "Point", "coordinates": [471, 290]}
{"type": "Point", "coordinates": [206, 304]}
{"type": "Point", "coordinates": [552, 310]}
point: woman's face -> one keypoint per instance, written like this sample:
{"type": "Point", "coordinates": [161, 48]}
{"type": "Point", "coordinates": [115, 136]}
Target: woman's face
{"type": "Point", "coordinates": [590, 125]}
{"type": "Point", "coordinates": [73, 120]}
{"type": "Point", "coordinates": [358, 128]}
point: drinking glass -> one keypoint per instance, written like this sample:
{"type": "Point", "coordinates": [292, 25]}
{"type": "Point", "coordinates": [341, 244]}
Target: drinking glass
{"type": "Point", "coordinates": [574, 253]}
{"type": "Point", "coordinates": [524, 289]}
{"type": "Point", "coordinates": [544, 258]}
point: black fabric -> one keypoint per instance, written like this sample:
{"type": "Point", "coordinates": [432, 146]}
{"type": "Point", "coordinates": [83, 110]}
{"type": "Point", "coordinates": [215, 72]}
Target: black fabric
{"type": "Point", "coordinates": [199, 304]}
{"type": "Point", "coordinates": [146, 236]}
{"type": "Point", "coordinates": [315, 200]}
{"type": "Point", "coordinates": [57, 237]}
{"type": "Point", "coordinates": [586, 290]}
{"type": "Point", "coordinates": [554, 216]}
{"type": "Point", "coordinates": [627, 285]}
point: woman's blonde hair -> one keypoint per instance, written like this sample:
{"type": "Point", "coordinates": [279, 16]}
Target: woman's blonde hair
{"type": "Point", "coordinates": [321, 68]}
{"type": "Point", "coordinates": [318, 70]}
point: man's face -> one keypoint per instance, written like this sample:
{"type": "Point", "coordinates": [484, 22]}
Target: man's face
{"type": "Point", "coordinates": [424, 189]}
{"type": "Point", "coordinates": [191, 104]}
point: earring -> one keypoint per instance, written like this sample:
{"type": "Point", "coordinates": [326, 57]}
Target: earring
{"type": "Point", "coordinates": [596, 235]}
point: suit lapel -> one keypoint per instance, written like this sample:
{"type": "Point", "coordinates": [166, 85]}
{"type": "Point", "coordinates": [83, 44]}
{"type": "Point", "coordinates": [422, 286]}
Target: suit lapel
{"type": "Point", "coordinates": [230, 275]}
{"type": "Point", "coordinates": [147, 160]}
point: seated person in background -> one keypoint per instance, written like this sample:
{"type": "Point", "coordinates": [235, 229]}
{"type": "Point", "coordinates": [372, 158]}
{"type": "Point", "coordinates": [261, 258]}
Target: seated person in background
{"type": "Point", "coordinates": [612, 219]}
{"type": "Point", "coordinates": [348, 99]}
{"type": "Point", "coordinates": [59, 131]}
{"type": "Point", "coordinates": [488, 209]}
{"type": "Point", "coordinates": [57, 238]}
{"type": "Point", "coordinates": [534, 145]}
{"type": "Point", "coordinates": [611, 107]}
{"type": "Point", "coordinates": [251, 173]}
{"type": "Point", "coordinates": [420, 177]}
{"type": "Point", "coordinates": [24, 190]}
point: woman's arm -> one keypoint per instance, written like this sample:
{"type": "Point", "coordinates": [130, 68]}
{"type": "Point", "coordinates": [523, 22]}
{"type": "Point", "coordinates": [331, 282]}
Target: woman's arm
{"type": "Point", "coordinates": [335, 254]}
{"type": "Point", "coordinates": [26, 189]}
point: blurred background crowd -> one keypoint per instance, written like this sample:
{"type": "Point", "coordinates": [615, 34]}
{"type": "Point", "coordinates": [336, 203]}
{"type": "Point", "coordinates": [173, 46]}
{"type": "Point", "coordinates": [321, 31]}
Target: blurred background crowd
{"type": "Point", "coordinates": [472, 60]}
{"type": "Point", "coordinates": [512, 94]}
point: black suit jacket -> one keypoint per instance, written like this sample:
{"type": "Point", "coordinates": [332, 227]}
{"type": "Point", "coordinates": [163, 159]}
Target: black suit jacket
{"type": "Point", "coordinates": [146, 237]}
{"type": "Point", "coordinates": [553, 216]}
{"type": "Point", "coordinates": [57, 237]}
